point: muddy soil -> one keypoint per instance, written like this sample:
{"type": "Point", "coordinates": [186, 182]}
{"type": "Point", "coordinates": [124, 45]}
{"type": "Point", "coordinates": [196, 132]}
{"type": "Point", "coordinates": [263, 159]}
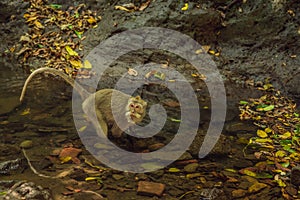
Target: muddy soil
{"type": "Point", "coordinates": [255, 41]}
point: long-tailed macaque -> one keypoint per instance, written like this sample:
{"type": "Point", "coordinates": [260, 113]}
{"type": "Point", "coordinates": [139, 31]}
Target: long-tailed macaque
{"type": "Point", "coordinates": [128, 109]}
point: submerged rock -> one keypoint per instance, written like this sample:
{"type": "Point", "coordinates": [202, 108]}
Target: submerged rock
{"type": "Point", "coordinates": [12, 166]}
{"type": "Point", "coordinates": [28, 191]}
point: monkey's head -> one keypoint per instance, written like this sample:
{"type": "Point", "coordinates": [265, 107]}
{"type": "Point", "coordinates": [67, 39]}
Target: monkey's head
{"type": "Point", "coordinates": [136, 109]}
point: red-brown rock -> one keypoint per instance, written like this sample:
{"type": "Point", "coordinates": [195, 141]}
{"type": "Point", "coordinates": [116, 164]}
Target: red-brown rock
{"type": "Point", "coordinates": [150, 188]}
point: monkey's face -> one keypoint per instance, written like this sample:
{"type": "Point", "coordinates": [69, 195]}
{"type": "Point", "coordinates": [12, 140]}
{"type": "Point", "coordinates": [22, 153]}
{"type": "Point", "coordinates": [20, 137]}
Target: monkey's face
{"type": "Point", "coordinates": [136, 109]}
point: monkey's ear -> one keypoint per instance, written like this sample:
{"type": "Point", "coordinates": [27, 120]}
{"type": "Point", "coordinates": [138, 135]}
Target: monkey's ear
{"type": "Point", "coordinates": [138, 97]}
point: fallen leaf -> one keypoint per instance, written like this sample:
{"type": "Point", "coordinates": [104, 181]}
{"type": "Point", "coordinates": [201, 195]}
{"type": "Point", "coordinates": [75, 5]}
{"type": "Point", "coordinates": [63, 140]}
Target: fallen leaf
{"type": "Point", "coordinates": [70, 51]}
{"type": "Point", "coordinates": [256, 187]}
{"type": "Point", "coordinates": [26, 111]}
{"type": "Point", "coordinates": [185, 7]}
{"type": "Point", "coordinates": [75, 63]}
{"type": "Point", "coordinates": [261, 133]}
{"type": "Point", "coordinates": [87, 64]}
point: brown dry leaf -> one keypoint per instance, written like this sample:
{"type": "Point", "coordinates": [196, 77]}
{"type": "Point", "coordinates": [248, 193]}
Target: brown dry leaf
{"type": "Point", "coordinates": [70, 152]}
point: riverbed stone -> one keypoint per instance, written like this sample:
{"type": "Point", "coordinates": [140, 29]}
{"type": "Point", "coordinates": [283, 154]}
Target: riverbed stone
{"type": "Point", "coordinates": [28, 191]}
{"type": "Point", "coordinates": [191, 168]}
{"type": "Point", "coordinates": [150, 188]}
{"type": "Point", "coordinates": [295, 176]}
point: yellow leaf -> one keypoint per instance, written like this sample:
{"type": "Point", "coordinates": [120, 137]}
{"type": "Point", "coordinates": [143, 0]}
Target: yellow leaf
{"type": "Point", "coordinates": [76, 63]}
{"type": "Point", "coordinates": [91, 20]}
{"type": "Point", "coordinates": [185, 7]}
{"type": "Point", "coordinates": [65, 159]}
{"type": "Point", "coordinates": [264, 140]}
{"type": "Point", "coordinates": [91, 178]}
{"type": "Point", "coordinates": [71, 52]}
{"type": "Point", "coordinates": [87, 64]}
{"type": "Point", "coordinates": [249, 173]}
{"type": "Point", "coordinates": [256, 187]}
{"type": "Point", "coordinates": [261, 134]}
{"type": "Point", "coordinates": [212, 52]}
{"type": "Point", "coordinates": [26, 111]}
{"type": "Point", "coordinates": [31, 18]}
{"type": "Point", "coordinates": [280, 183]}
{"type": "Point", "coordinates": [122, 8]}
{"type": "Point", "coordinates": [280, 154]}
{"type": "Point", "coordinates": [38, 24]}
{"type": "Point", "coordinates": [173, 169]}
{"type": "Point", "coordinates": [82, 128]}
{"type": "Point", "coordinates": [230, 170]}
{"type": "Point", "coordinates": [268, 130]}
{"type": "Point", "coordinates": [286, 135]}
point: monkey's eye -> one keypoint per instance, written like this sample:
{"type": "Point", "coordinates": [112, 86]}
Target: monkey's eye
{"type": "Point", "coordinates": [131, 105]}
{"type": "Point", "coordinates": [137, 107]}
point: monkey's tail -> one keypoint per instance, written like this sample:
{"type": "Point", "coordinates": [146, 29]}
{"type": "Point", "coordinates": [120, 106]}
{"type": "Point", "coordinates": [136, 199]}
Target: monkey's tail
{"type": "Point", "coordinates": [83, 93]}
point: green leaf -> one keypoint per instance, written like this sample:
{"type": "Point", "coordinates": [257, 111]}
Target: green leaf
{"type": "Point", "coordinates": [175, 120]}
{"type": "Point", "coordinates": [55, 6]}
{"type": "Point", "coordinates": [268, 108]}
{"type": "Point", "coordinates": [243, 102]}
{"type": "Point", "coordinates": [79, 34]}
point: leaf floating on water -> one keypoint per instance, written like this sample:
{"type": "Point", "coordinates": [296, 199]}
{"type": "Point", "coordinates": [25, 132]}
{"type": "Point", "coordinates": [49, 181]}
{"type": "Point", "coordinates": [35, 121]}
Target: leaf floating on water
{"type": "Point", "coordinates": [26, 111]}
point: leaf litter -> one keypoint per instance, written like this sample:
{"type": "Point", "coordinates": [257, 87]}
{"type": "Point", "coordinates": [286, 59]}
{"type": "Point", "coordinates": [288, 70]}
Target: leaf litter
{"type": "Point", "coordinates": [55, 36]}
{"type": "Point", "coordinates": [277, 144]}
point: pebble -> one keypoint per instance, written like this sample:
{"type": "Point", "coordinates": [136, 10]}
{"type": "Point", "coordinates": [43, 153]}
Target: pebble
{"type": "Point", "coordinates": [238, 193]}
{"type": "Point", "coordinates": [295, 176]}
{"type": "Point", "coordinates": [191, 168]}
{"type": "Point", "coordinates": [26, 144]}
{"type": "Point", "coordinates": [150, 188]}
{"type": "Point", "coordinates": [117, 177]}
